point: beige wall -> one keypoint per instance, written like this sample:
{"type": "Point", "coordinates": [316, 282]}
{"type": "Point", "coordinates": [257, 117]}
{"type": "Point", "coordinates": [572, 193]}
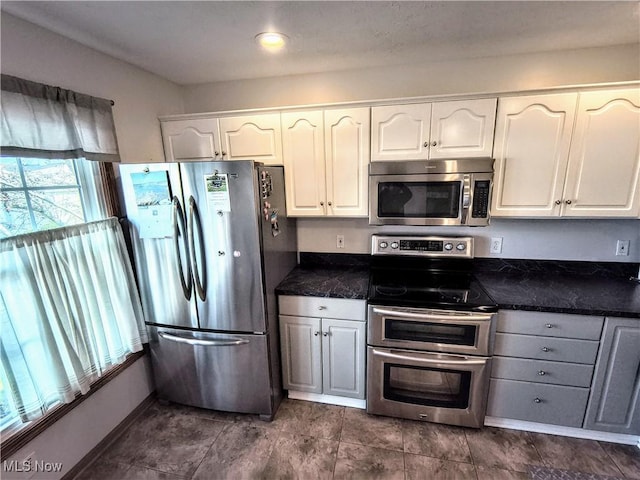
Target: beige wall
{"type": "Point", "coordinates": [34, 53]}
{"type": "Point", "coordinates": [475, 75]}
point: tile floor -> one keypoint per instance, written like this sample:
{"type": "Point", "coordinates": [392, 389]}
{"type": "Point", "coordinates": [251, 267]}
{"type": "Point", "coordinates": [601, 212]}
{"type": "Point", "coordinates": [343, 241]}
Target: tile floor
{"type": "Point", "coordinates": [310, 441]}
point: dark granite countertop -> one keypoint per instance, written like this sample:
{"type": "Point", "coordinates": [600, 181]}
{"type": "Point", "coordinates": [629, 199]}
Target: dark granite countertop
{"type": "Point", "coordinates": [586, 288]}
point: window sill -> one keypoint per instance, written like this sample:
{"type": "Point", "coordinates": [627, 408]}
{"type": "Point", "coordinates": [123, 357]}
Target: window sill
{"type": "Point", "coordinates": [20, 438]}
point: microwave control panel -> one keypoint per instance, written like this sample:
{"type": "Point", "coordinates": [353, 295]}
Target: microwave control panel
{"type": "Point", "coordinates": [481, 191]}
{"type": "Point", "coordinates": [427, 246]}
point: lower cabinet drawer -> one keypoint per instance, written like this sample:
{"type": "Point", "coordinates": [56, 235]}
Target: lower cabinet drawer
{"type": "Point", "coordinates": [345, 308]}
{"type": "Point", "coordinates": [540, 371]}
{"type": "Point", "coordinates": [546, 348]}
{"type": "Point", "coordinates": [537, 402]}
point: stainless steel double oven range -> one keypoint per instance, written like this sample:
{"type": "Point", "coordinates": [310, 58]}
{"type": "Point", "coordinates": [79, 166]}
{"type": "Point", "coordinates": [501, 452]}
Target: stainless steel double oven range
{"type": "Point", "coordinates": [428, 334]}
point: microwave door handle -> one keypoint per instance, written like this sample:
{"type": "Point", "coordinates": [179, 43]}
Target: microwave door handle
{"type": "Point", "coordinates": [431, 361]}
{"type": "Point", "coordinates": [466, 198]}
{"type": "Point", "coordinates": [432, 316]}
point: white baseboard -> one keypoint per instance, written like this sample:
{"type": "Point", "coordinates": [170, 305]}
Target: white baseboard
{"type": "Point", "coordinates": [563, 431]}
{"type": "Point", "coordinates": [330, 399]}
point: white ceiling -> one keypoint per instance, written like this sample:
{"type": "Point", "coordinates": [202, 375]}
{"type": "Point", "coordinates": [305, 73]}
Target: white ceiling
{"type": "Point", "coordinates": [197, 42]}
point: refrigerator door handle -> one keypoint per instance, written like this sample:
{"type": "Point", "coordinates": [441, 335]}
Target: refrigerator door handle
{"type": "Point", "coordinates": [178, 216]}
{"type": "Point", "coordinates": [206, 343]}
{"type": "Point", "coordinates": [194, 221]}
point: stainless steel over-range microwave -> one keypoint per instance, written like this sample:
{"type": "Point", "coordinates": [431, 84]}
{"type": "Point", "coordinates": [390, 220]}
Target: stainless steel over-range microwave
{"type": "Point", "coordinates": [431, 192]}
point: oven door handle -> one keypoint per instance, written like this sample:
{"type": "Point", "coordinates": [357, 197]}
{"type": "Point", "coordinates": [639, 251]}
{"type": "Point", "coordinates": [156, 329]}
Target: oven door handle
{"type": "Point", "coordinates": [466, 362]}
{"type": "Point", "coordinates": [433, 316]}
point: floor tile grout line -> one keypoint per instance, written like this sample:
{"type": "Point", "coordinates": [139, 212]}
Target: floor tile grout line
{"type": "Point", "coordinates": [613, 460]}
{"type": "Point", "coordinates": [195, 470]}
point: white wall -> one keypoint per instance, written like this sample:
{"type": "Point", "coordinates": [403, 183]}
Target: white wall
{"type": "Point", "coordinates": [461, 77]}
{"type": "Point", "coordinates": [587, 240]}
{"type": "Point", "coordinates": [73, 436]}
{"type": "Point", "coordinates": [36, 54]}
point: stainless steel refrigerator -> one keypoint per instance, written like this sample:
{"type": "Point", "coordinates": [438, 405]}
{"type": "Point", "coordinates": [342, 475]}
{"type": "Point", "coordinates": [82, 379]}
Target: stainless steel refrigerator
{"type": "Point", "coordinates": [211, 241]}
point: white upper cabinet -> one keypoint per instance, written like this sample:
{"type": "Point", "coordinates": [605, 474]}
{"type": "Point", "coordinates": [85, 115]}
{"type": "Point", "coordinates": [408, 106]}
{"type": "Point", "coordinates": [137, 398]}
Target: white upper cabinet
{"type": "Point", "coordinates": [252, 137]}
{"type": "Point", "coordinates": [604, 161]}
{"type": "Point", "coordinates": [326, 159]}
{"type": "Point", "coordinates": [304, 167]}
{"type": "Point", "coordinates": [346, 136]}
{"type": "Point", "coordinates": [569, 155]}
{"type": "Point", "coordinates": [400, 132]}
{"type": "Point", "coordinates": [189, 140]}
{"type": "Point", "coordinates": [533, 135]}
{"type": "Point", "coordinates": [425, 131]}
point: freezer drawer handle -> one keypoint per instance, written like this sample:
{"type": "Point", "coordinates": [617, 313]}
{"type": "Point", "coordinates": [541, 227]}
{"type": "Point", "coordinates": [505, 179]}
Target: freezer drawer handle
{"type": "Point", "coordinates": [206, 343]}
{"type": "Point", "coordinates": [194, 221]}
{"type": "Point", "coordinates": [178, 216]}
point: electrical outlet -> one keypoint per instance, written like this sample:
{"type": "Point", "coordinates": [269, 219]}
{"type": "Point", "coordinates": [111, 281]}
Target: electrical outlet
{"type": "Point", "coordinates": [496, 245]}
{"type": "Point", "coordinates": [622, 248]}
{"type": "Point", "coordinates": [340, 241]}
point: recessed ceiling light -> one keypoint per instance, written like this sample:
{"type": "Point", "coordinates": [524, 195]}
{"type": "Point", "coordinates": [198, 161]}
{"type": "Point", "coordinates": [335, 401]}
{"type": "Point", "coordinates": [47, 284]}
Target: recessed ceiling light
{"type": "Point", "coordinates": [271, 41]}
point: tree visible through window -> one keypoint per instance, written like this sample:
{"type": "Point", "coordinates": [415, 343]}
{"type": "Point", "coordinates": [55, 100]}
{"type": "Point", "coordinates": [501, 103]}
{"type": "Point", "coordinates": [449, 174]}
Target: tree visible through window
{"type": "Point", "coordinates": [39, 194]}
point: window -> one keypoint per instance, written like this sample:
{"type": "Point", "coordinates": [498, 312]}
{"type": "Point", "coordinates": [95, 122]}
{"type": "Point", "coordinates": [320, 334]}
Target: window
{"type": "Point", "coordinates": [40, 194]}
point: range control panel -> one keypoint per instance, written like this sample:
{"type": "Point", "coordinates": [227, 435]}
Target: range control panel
{"type": "Point", "coordinates": [422, 246]}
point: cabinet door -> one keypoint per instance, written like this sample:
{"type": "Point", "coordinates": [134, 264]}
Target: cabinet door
{"type": "Point", "coordinates": [604, 163]}
{"type": "Point", "coordinates": [614, 404]}
{"type": "Point", "coordinates": [531, 149]}
{"type": "Point", "coordinates": [300, 344]}
{"type": "Point", "coordinates": [463, 129]}
{"type": "Point", "coordinates": [400, 132]}
{"type": "Point", "coordinates": [347, 152]}
{"type": "Point", "coordinates": [343, 347]}
{"type": "Point", "coordinates": [190, 140]}
{"type": "Point", "coordinates": [253, 137]}
{"type": "Point", "coordinates": [304, 169]}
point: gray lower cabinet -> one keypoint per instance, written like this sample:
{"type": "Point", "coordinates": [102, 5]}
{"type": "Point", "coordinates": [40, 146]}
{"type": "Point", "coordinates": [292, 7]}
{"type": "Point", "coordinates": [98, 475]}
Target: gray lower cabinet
{"type": "Point", "coordinates": [614, 404]}
{"type": "Point", "coordinates": [543, 366]}
{"type": "Point", "coordinates": [319, 354]}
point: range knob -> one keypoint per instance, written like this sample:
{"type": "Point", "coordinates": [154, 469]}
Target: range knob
{"type": "Point", "coordinates": [383, 244]}
{"type": "Point", "coordinates": [394, 245]}
{"type": "Point", "coordinates": [461, 247]}
{"type": "Point", "coordinates": [448, 246]}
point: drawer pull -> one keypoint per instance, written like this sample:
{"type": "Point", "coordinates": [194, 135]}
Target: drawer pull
{"type": "Point", "coordinates": [322, 307]}
{"type": "Point", "coordinates": [545, 349]}
{"type": "Point", "coordinates": [542, 373]}
{"type": "Point", "coordinates": [549, 325]}
{"type": "Point", "coordinates": [537, 400]}
{"type": "Point", "coordinates": [315, 334]}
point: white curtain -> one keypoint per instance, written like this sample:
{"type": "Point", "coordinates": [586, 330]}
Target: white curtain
{"type": "Point", "coordinates": [44, 121]}
{"type": "Point", "coordinates": [69, 310]}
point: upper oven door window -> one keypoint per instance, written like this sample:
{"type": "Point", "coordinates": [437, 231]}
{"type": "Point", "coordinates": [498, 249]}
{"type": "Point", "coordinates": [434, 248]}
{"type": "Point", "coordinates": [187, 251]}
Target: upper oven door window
{"type": "Point", "coordinates": [419, 199]}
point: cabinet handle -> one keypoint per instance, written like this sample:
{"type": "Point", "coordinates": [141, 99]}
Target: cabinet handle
{"type": "Point", "coordinates": [329, 203]}
{"type": "Point", "coordinates": [224, 153]}
{"type": "Point", "coordinates": [220, 253]}
{"type": "Point", "coordinates": [315, 334]}
{"type": "Point", "coordinates": [568, 202]}
{"type": "Point", "coordinates": [545, 349]}
{"type": "Point", "coordinates": [322, 204]}
{"type": "Point", "coordinates": [325, 334]}
{"type": "Point", "coordinates": [548, 325]}
{"type": "Point", "coordinates": [537, 400]}
{"type": "Point", "coordinates": [434, 144]}
{"type": "Point", "coordinates": [558, 202]}
{"type": "Point", "coordinates": [426, 144]}
{"type": "Point", "coordinates": [542, 373]}
{"type": "Point", "coordinates": [322, 307]}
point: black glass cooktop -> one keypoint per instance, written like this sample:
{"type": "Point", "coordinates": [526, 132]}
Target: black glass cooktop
{"type": "Point", "coordinates": [411, 283]}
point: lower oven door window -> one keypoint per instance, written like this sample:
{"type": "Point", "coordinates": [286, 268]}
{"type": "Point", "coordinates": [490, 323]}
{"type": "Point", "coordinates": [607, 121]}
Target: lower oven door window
{"type": "Point", "coordinates": [427, 386]}
{"type": "Point", "coordinates": [427, 332]}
